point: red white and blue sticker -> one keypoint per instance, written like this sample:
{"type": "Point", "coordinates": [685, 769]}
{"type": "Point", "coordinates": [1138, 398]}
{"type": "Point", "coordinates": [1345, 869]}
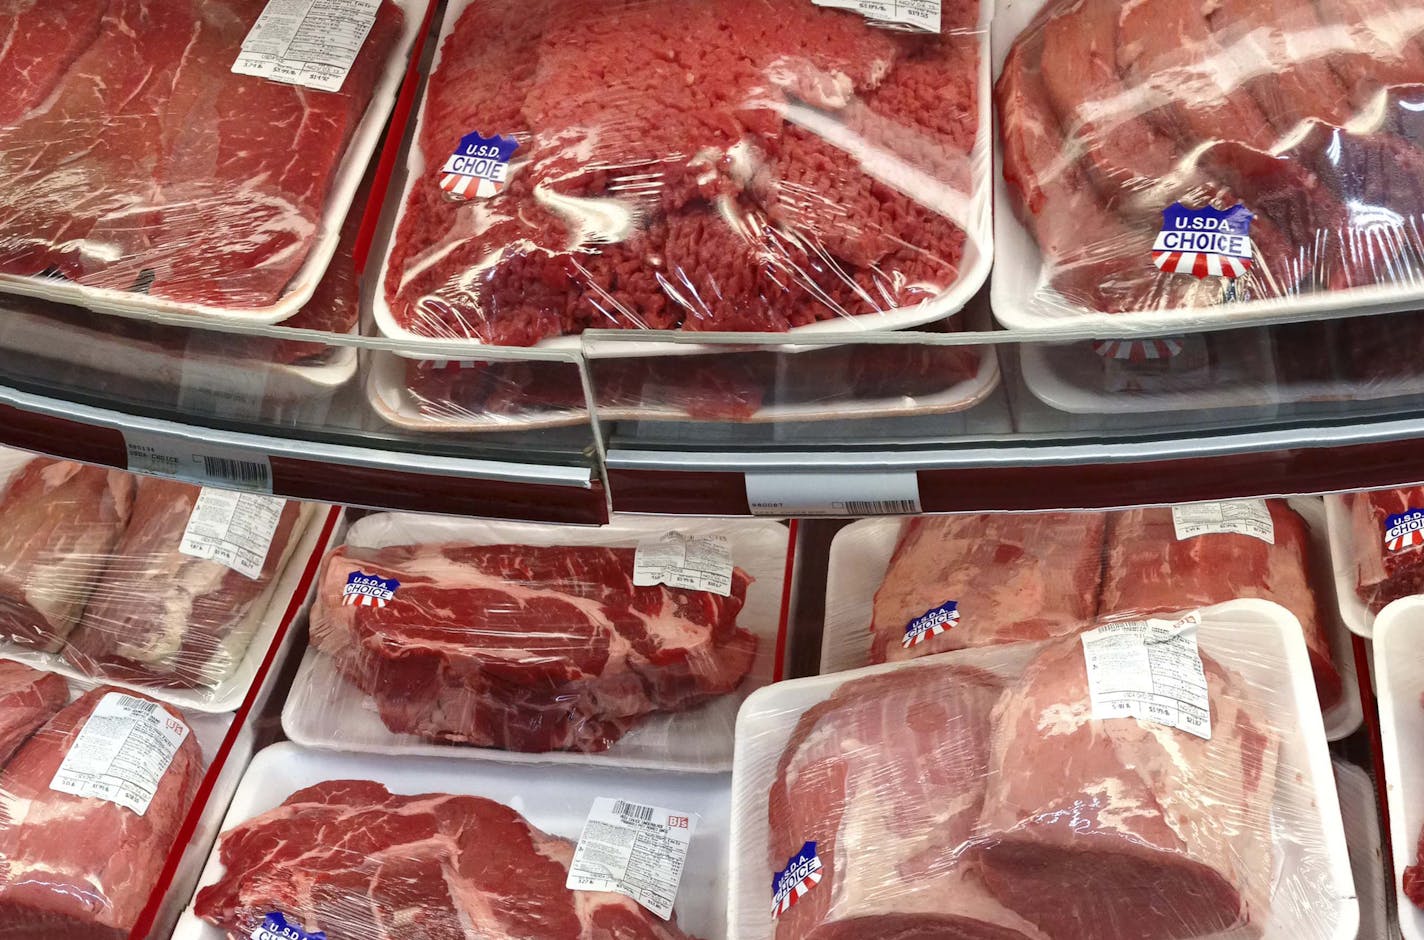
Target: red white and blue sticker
{"type": "Point", "coordinates": [931, 624]}
{"type": "Point", "coordinates": [1138, 350]}
{"type": "Point", "coordinates": [275, 926]}
{"type": "Point", "coordinates": [368, 590]}
{"type": "Point", "coordinates": [479, 167]}
{"type": "Point", "coordinates": [1404, 530]}
{"type": "Point", "coordinates": [801, 874]}
{"type": "Point", "coordinates": [1205, 242]}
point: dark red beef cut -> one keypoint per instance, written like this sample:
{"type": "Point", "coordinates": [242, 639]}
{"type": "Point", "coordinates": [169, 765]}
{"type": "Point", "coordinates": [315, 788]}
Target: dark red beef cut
{"type": "Point", "coordinates": [351, 859]}
{"type": "Point", "coordinates": [151, 165]}
{"type": "Point", "coordinates": [39, 40]}
{"type": "Point", "coordinates": [28, 697]}
{"type": "Point", "coordinates": [1388, 565]}
{"type": "Point", "coordinates": [749, 181]}
{"type": "Point", "coordinates": [526, 648]}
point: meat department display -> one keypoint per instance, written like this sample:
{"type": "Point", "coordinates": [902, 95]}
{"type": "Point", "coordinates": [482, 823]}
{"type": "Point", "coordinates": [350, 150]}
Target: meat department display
{"type": "Point", "coordinates": [787, 164]}
{"type": "Point", "coordinates": [136, 159]}
{"type": "Point", "coordinates": [1121, 121]}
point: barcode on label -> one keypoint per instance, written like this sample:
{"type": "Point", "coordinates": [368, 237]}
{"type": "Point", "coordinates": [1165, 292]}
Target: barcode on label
{"type": "Point", "coordinates": [241, 471]}
{"type": "Point", "coordinates": [633, 811]}
{"type": "Point", "coordinates": [142, 706]}
{"type": "Point", "coordinates": [880, 507]}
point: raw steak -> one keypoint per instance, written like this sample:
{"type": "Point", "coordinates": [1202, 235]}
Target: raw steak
{"type": "Point", "coordinates": [887, 777]}
{"type": "Point", "coordinates": [1124, 829]}
{"type": "Point", "coordinates": [1149, 571]}
{"type": "Point", "coordinates": [1015, 577]}
{"type": "Point", "coordinates": [58, 523]}
{"type": "Point", "coordinates": [526, 648]}
{"type": "Point", "coordinates": [161, 617]}
{"type": "Point", "coordinates": [28, 698]}
{"type": "Point", "coordinates": [82, 867]}
{"type": "Point", "coordinates": [39, 41]}
{"type": "Point", "coordinates": [349, 858]}
{"type": "Point", "coordinates": [1386, 569]}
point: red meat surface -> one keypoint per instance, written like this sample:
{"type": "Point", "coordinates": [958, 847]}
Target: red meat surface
{"type": "Point", "coordinates": [28, 697]}
{"type": "Point", "coordinates": [1385, 572]}
{"type": "Point", "coordinates": [351, 859]}
{"type": "Point", "coordinates": [39, 40]}
{"type": "Point", "coordinates": [696, 190]}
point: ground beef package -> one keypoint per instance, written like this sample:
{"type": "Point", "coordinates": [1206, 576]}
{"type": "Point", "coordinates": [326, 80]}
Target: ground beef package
{"type": "Point", "coordinates": [686, 164]}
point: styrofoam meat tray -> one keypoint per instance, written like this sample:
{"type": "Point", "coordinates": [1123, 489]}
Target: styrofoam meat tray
{"type": "Point", "coordinates": [349, 173]}
{"type": "Point", "coordinates": [1018, 263]}
{"type": "Point", "coordinates": [1399, 678]}
{"type": "Point", "coordinates": [1353, 611]}
{"type": "Point", "coordinates": [1360, 812]}
{"type": "Point", "coordinates": [860, 556]}
{"type": "Point", "coordinates": [555, 803]}
{"type": "Point", "coordinates": [323, 710]}
{"type": "Point", "coordinates": [978, 224]}
{"type": "Point", "coordinates": [1261, 641]}
{"type": "Point", "coordinates": [309, 539]}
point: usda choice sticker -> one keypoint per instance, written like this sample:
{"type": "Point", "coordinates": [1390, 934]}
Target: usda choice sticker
{"type": "Point", "coordinates": [801, 874]}
{"type": "Point", "coordinates": [1206, 242]}
{"type": "Point", "coordinates": [479, 167]}
{"type": "Point", "coordinates": [931, 624]}
{"type": "Point", "coordinates": [275, 926]}
{"type": "Point", "coordinates": [368, 590]}
{"type": "Point", "coordinates": [1404, 531]}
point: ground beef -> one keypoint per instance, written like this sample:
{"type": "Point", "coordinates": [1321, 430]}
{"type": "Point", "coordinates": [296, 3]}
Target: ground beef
{"type": "Point", "coordinates": [670, 173]}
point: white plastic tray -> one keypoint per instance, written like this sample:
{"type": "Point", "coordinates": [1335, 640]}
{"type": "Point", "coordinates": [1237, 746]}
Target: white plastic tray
{"type": "Point", "coordinates": [1018, 263]}
{"type": "Point", "coordinates": [978, 225]}
{"type": "Point", "coordinates": [309, 538]}
{"type": "Point", "coordinates": [1258, 639]}
{"type": "Point", "coordinates": [1360, 812]}
{"type": "Point", "coordinates": [1399, 677]}
{"type": "Point", "coordinates": [860, 556]}
{"type": "Point", "coordinates": [349, 172]}
{"type": "Point", "coordinates": [323, 710]}
{"type": "Point", "coordinates": [555, 803]}
{"type": "Point", "coordinates": [1355, 612]}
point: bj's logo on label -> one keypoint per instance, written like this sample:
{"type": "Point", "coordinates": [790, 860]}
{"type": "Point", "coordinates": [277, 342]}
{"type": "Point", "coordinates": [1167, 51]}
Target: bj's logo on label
{"type": "Point", "coordinates": [368, 590]}
{"type": "Point", "coordinates": [801, 874]}
{"type": "Point", "coordinates": [1206, 242]}
{"type": "Point", "coordinates": [930, 624]}
{"type": "Point", "coordinates": [275, 927]}
{"type": "Point", "coordinates": [1404, 530]}
{"type": "Point", "coordinates": [479, 167]}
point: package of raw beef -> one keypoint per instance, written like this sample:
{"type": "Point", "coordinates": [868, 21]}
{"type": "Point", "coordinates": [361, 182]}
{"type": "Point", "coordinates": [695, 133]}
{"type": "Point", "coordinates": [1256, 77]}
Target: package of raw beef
{"type": "Point", "coordinates": [631, 644]}
{"type": "Point", "coordinates": [1146, 780]}
{"type": "Point", "coordinates": [191, 155]}
{"type": "Point", "coordinates": [348, 845]}
{"type": "Point", "coordinates": [1185, 163]}
{"type": "Point", "coordinates": [1383, 547]}
{"type": "Point", "coordinates": [715, 165]}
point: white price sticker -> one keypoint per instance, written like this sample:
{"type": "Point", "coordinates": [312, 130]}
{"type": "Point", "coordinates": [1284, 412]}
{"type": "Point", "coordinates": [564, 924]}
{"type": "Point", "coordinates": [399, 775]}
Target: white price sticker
{"type": "Point", "coordinates": [693, 563]}
{"type": "Point", "coordinates": [312, 43]}
{"type": "Point", "coordinates": [121, 753]}
{"type": "Point", "coordinates": [200, 464]}
{"type": "Point", "coordinates": [232, 529]}
{"type": "Point", "coordinates": [634, 850]}
{"type": "Point", "coordinates": [921, 14]}
{"type": "Point", "coordinates": [1149, 670]}
{"type": "Point", "coordinates": [833, 494]}
{"type": "Point", "coordinates": [1238, 516]}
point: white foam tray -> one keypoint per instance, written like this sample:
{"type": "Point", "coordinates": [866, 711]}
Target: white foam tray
{"type": "Point", "coordinates": [325, 711]}
{"type": "Point", "coordinates": [1261, 641]}
{"type": "Point", "coordinates": [975, 218]}
{"type": "Point", "coordinates": [860, 556]}
{"type": "Point", "coordinates": [1018, 263]}
{"type": "Point", "coordinates": [308, 539]}
{"type": "Point", "coordinates": [555, 803]}
{"type": "Point", "coordinates": [1355, 612]}
{"type": "Point", "coordinates": [1360, 812]}
{"type": "Point", "coordinates": [1399, 677]}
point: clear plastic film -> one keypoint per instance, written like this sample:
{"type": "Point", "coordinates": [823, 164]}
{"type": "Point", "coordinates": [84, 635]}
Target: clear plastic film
{"type": "Point", "coordinates": [1036, 818]}
{"type": "Point", "coordinates": [902, 590]}
{"type": "Point", "coordinates": [1132, 133]}
{"type": "Point", "coordinates": [1382, 545]}
{"type": "Point", "coordinates": [717, 165]}
{"type": "Point", "coordinates": [531, 639]}
{"type": "Point", "coordinates": [138, 160]}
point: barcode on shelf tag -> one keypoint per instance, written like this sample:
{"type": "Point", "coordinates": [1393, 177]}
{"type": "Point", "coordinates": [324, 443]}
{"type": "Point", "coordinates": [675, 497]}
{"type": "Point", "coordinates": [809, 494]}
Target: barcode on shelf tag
{"type": "Point", "coordinates": [1236, 516]}
{"type": "Point", "coordinates": [833, 494]}
{"type": "Point", "coordinates": [312, 43]}
{"type": "Point", "coordinates": [1149, 670]}
{"type": "Point", "coordinates": [635, 850]}
{"type": "Point", "coordinates": [232, 529]}
{"type": "Point", "coordinates": [201, 464]}
{"type": "Point", "coordinates": [121, 753]}
{"type": "Point", "coordinates": [691, 562]}
{"type": "Point", "coordinates": [921, 14]}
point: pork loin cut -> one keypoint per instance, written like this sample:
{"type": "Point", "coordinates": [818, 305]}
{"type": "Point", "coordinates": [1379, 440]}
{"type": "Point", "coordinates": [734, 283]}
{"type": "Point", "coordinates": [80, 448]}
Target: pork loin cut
{"type": "Point", "coordinates": [28, 697]}
{"type": "Point", "coordinates": [349, 858]}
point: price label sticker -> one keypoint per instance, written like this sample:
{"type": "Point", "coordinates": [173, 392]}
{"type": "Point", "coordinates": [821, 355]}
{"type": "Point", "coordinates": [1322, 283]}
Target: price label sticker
{"type": "Point", "coordinates": [233, 529]}
{"type": "Point", "coordinates": [693, 563]}
{"type": "Point", "coordinates": [203, 464]}
{"type": "Point", "coordinates": [1149, 670]}
{"type": "Point", "coordinates": [312, 43]}
{"type": "Point", "coordinates": [634, 850]}
{"type": "Point", "coordinates": [833, 494]}
{"type": "Point", "coordinates": [122, 752]}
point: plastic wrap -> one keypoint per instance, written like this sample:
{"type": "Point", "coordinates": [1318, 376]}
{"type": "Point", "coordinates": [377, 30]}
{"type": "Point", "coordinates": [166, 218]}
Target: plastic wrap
{"type": "Point", "coordinates": [534, 639]}
{"type": "Point", "coordinates": [1131, 134]}
{"type": "Point", "coordinates": [1399, 680]}
{"type": "Point", "coordinates": [137, 160]}
{"type": "Point", "coordinates": [1387, 544]}
{"type": "Point", "coordinates": [717, 165]}
{"type": "Point", "coordinates": [974, 794]}
{"type": "Point", "coordinates": [28, 699]}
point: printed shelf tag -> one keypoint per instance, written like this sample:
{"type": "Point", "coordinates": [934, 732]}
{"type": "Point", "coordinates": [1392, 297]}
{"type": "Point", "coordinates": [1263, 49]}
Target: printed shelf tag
{"type": "Point", "coordinates": [801, 874]}
{"type": "Point", "coordinates": [1238, 516]}
{"type": "Point", "coordinates": [690, 562]}
{"type": "Point", "coordinates": [122, 752]}
{"type": "Point", "coordinates": [1404, 531]}
{"type": "Point", "coordinates": [368, 590]}
{"type": "Point", "coordinates": [312, 43]}
{"type": "Point", "coordinates": [233, 529]}
{"type": "Point", "coordinates": [1205, 242]}
{"type": "Point", "coordinates": [634, 850]}
{"type": "Point", "coordinates": [479, 167]}
{"type": "Point", "coordinates": [854, 493]}
{"type": "Point", "coordinates": [921, 14]}
{"type": "Point", "coordinates": [275, 926]}
{"type": "Point", "coordinates": [177, 459]}
{"type": "Point", "coordinates": [931, 624]}
{"type": "Point", "coordinates": [1149, 670]}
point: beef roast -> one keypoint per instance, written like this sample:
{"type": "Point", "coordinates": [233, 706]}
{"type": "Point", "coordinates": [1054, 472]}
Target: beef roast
{"type": "Point", "coordinates": [58, 523]}
{"type": "Point", "coordinates": [28, 697]}
{"type": "Point", "coordinates": [1013, 577]}
{"type": "Point", "coordinates": [349, 858]}
{"type": "Point", "coordinates": [1387, 567]}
